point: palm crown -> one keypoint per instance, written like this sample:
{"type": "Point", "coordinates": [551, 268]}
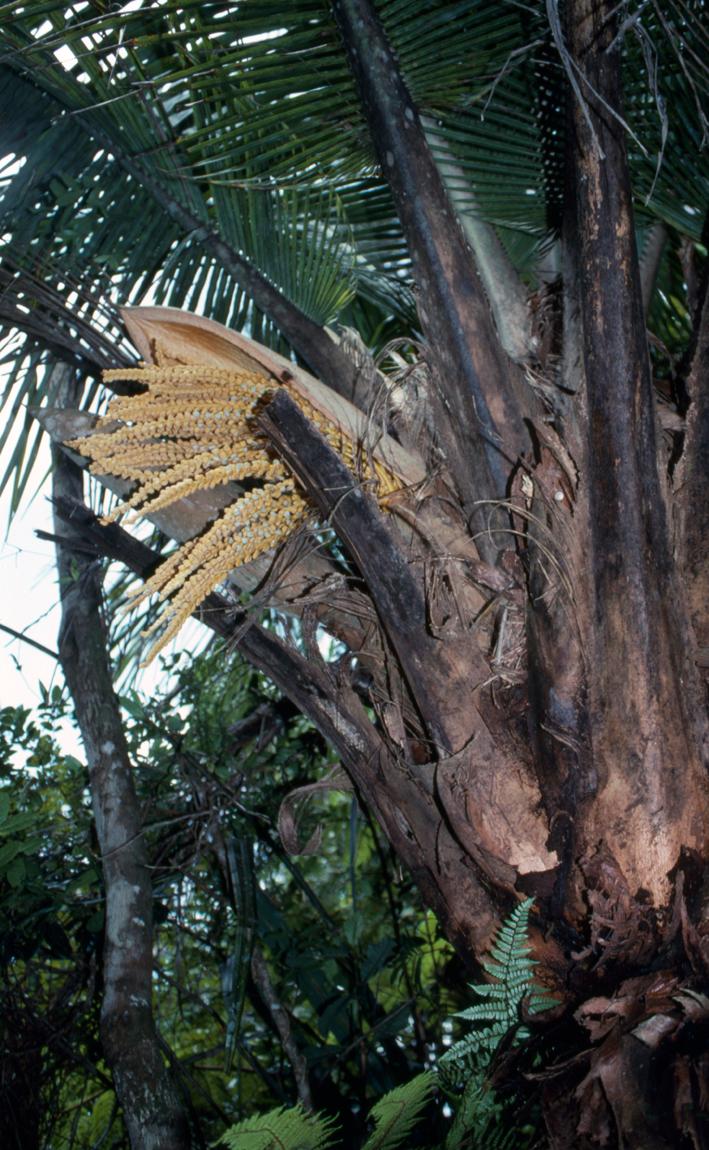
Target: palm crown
{"type": "Point", "coordinates": [218, 159]}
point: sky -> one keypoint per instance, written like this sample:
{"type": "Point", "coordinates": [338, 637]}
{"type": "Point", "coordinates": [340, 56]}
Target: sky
{"type": "Point", "coordinates": [29, 604]}
{"type": "Point", "coordinates": [28, 598]}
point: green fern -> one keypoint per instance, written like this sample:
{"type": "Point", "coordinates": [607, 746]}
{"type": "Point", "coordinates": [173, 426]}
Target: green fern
{"type": "Point", "coordinates": [497, 1012]}
{"type": "Point", "coordinates": [481, 1120]}
{"type": "Point", "coordinates": [394, 1117]}
{"type": "Point", "coordinates": [396, 1114]}
{"type": "Point", "coordinates": [281, 1129]}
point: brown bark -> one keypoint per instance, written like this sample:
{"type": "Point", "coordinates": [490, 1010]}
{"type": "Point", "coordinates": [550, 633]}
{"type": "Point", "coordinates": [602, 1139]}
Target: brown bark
{"type": "Point", "coordinates": [399, 794]}
{"type": "Point", "coordinates": [478, 388]}
{"type": "Point", "coordinates": [152, 1108]}
{"type": "Point", "coordinates": [488, 798]}
{"type": "Point", "coordinates": [690, 487]}
{"type": "Point", "coordinates": [645, 752]}
{"type": "Point", "coordinates": [373, 545]}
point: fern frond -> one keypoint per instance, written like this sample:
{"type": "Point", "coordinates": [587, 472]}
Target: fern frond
{"type": "Point", "coordinates": [396, 1114]}
{"type": "Point", "coordinates": [479, 1122]}
{"type": "Point", "coordinates": [497, 1011]}
{"type": "Point", "coordinates": [281, 1129]}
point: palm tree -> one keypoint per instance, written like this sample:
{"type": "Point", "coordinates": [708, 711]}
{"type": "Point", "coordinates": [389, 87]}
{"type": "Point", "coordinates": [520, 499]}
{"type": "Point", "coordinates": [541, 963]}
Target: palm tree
{"type": "Point", "coordinates": [499, 208]}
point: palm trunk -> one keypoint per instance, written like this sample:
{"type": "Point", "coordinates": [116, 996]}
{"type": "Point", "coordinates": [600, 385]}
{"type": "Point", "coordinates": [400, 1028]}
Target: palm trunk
{"type": "Point", "coordinates": [533, 650]}
{"type": "Point", "coordinates": [645, 750]}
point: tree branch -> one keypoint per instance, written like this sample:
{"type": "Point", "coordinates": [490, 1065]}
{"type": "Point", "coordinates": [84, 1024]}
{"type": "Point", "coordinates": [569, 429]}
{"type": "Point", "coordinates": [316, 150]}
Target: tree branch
{"type": "Point", "coordinates": [372, 544]}
{"type": "Point", "coordinates": [401, 801]}
{"type": "Point", "coordinates": [479, 389]}
{"type": "Point", "coordinates": [282, 1022]}
{"type": "Point", "coordinates": [503, 287]}
{"type": "Point", "coordinates": [26, 639]}
{"type": "Point", "coordinates": [474, 768]}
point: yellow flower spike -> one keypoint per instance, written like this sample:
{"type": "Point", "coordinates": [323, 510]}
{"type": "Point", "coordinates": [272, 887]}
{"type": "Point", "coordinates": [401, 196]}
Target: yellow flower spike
{"type": "Point", "coordinates": [192, 428]}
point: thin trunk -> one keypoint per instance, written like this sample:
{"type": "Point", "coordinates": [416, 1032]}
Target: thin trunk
{"type": "Point", "coordinates": [283, 1025]}
{"type": "Point", "coordinates": [153, 1112]}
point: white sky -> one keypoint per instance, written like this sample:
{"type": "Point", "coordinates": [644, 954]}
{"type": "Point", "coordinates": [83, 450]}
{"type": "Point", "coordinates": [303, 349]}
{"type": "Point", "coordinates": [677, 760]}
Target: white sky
{"type": "Point", "coordinates": [29, 603]}
{"type": "Point", "coordinates": [28, 600]}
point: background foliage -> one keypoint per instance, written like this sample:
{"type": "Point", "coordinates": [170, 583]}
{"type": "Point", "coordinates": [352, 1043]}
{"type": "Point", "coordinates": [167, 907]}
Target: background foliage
{"type": "Point", "coordinates": [356, 963]}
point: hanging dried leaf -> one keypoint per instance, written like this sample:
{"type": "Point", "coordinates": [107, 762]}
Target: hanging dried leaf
{"type": "Point", "coordinates": [291, 812]}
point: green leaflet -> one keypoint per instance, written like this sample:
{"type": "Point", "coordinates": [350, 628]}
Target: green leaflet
{"type": "Point", "coordinates": [396, 1114]}
{"type": "Point", "coordinates": [282, 1129]}
{"type": "Point", "coordinates": [497, 1012]}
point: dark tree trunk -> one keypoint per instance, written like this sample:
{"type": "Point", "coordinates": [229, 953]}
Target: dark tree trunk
{"type": "Point", "coordinates": [153, 1111]}
{"type": "Point", "coordinates": [477, 386]}
{"type": "Point", "coordinates": [645, 749]}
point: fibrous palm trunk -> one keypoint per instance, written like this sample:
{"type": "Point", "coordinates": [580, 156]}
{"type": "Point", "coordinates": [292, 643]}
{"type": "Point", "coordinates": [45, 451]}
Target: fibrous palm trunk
{"type": "Point", "coordinates": [583, 784]}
